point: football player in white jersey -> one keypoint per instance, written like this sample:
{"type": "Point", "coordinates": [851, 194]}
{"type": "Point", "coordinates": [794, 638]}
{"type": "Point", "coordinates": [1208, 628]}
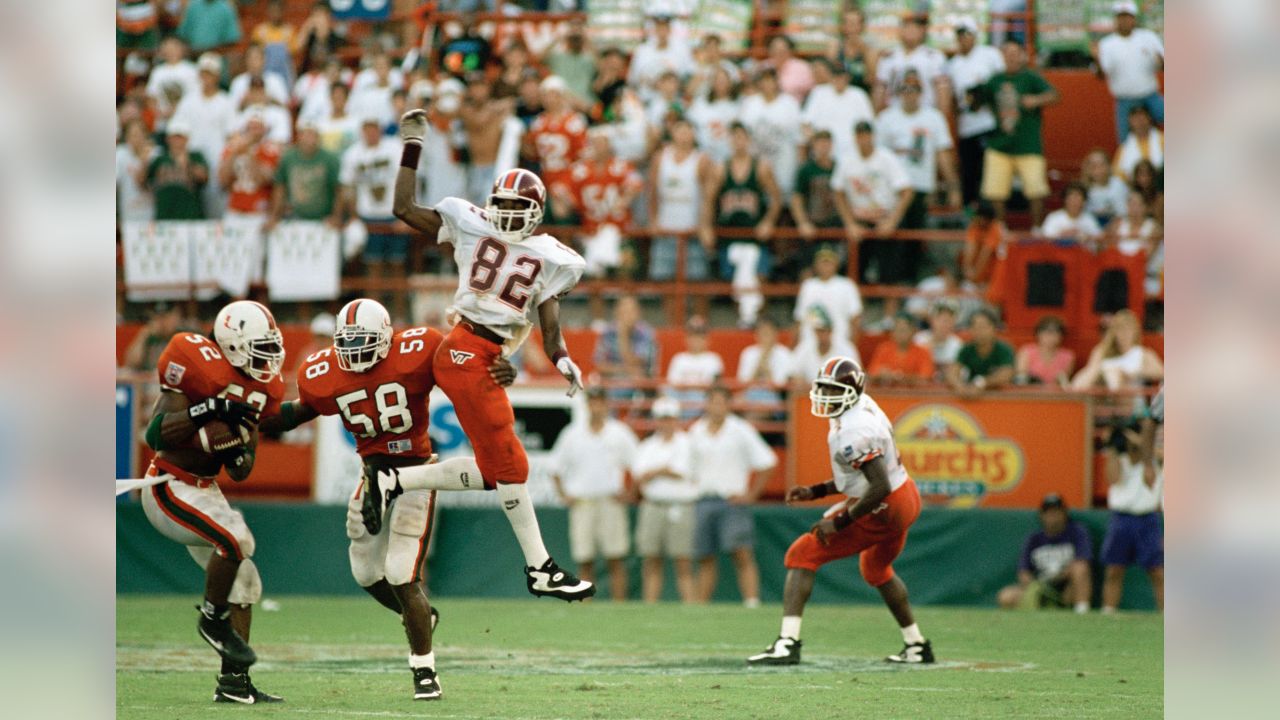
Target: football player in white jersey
{"type": "Point", "coordinates": [506, 272]}
{"type": "Point", "coordinates": [882, 503]}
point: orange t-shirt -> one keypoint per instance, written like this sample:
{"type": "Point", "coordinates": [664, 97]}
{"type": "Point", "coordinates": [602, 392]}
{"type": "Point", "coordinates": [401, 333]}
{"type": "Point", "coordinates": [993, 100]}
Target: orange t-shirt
{"type": "Point", "coordinates": [249, 194]}
{"type": "Point", "coordinates": [915, 361]}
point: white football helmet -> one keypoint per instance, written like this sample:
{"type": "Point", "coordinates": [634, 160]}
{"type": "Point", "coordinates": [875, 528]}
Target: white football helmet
{"type": "Point", "coordinates": [526, 192]}
{"type": "Point", "coordinates": [247, 333]}
{"type": "Point", "coordinates": [363, 336]}
{"type": "Point", "coordinates": [837, 388]}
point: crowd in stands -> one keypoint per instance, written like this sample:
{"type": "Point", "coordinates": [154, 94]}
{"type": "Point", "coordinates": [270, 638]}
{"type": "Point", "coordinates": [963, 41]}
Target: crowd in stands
{"type": "Point", "coordinates": [676, 138]}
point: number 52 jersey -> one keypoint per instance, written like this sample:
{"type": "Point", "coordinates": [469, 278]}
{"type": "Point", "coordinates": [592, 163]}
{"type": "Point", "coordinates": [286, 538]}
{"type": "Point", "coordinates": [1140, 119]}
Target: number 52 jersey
{"type": "Point", "coordinates": [500, 283]}
{"type": "Point", "coordinates": [385, 407]}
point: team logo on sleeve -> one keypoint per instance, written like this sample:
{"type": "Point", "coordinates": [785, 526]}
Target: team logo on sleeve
{"type": "Point", "coordinates": [173, 374]}
{"type": "Point", "coordinates": [460, 356]}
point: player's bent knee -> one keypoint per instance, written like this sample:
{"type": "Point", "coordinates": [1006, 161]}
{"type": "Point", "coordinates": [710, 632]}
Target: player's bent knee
{"type": "Point", "coordinates": [247, 588]}
{"type": "Point", "coordinates": [874, 574]}
{"type": "Point", "coordinates": [801, 554]}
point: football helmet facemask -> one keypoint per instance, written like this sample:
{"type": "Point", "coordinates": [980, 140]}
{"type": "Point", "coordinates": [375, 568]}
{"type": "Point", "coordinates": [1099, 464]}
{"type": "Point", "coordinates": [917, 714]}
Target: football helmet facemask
{"type": "Point", "coordinates": [363, 335]}
{"type": "Point", "coordinates": [247, 334]}
{"type": "Point", "coordinates": [515, 205]}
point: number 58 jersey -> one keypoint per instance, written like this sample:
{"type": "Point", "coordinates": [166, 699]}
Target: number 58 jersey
{"type": "Point", "coordinates": [500, 283]}
{"type": "Point", "coordinates": [385, 407]}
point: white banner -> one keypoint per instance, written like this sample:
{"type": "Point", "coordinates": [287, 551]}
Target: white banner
{"type": "Point", "coordinates": [230, 255]}
{"type": "Point", "coordinates": [304, 261]}
{"type": "Point", "coordinates": [157, 260]}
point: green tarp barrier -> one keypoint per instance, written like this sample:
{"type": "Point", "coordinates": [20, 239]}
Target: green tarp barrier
{"type": "Point", "coordinates": [953, 557]}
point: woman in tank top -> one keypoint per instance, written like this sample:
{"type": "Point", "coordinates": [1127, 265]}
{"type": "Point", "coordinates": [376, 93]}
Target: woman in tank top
{"type": "Point", "coordinates": [853, 53]}
{"type": "Point", "coordinates": [676, 178]}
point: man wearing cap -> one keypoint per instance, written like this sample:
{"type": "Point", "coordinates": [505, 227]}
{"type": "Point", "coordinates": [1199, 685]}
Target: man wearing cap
{"type": "Point", "coordinates": [664, 524]}
{"type": "Point", "coordinates": [1053, 569]}
{"type": "Point", "coordinates": [836, 294]}
{"type": "Point", "coordinates": [919, 136]}
{"type": "Point", "coordinates": [1129, 59]}
{"type": "Point", "coordinates": [177, 177]}
{"type": "Point", "coordinates": [810, 355]}
{"type": "Point", "coordinates": [588, 463]}
{"type": "Point", "coordinates": [873, 192]}
{"type": "Point", "coordinates": [971, 67]}
{"type": "Point", "coordinates": [210, 114]}
{"type": "Point", "coordinates": [368, 177]}
{"type": "Point", "coordinates": [658, 54]}
{"type": "Point", "coordinates": [306, 180]}
{"type": "Point", "coordinates": [913, 54]}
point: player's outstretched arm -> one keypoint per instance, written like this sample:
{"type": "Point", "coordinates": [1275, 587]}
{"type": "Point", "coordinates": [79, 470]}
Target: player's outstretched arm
{"type": "Point", "coordinates": [413, 128]}
{"type": "Point", "coordinates": [805, 493]}
{"type": "Point", "coordinates": [291, 415]}
{"type": "Point", "coordinates": [553, 344]}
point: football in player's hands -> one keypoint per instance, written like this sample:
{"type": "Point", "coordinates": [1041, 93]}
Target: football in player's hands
{"type": "Point", "coordinates": [217, 437]}
{"type": "Point", "coordinates": [413, 126]}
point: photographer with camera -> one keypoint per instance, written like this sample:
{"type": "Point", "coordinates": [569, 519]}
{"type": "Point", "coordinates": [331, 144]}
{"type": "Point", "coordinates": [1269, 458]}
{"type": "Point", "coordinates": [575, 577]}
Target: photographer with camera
{"type": "Point", "coordinates": [1135, 534]}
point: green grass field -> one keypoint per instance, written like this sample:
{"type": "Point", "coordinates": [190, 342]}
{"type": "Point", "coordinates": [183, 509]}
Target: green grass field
{"type": "Point", "coordinates": [539, 658]}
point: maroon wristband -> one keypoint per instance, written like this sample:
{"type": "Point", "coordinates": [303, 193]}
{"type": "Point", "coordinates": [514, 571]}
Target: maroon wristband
{"type": "Point", "coordinates": [555, 356]}
{"type": "Point", "coordinates": [409, 157]}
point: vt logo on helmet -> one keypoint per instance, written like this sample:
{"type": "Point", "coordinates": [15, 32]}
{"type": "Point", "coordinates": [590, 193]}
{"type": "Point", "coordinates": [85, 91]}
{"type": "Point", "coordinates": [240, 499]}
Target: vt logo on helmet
{"type": "Point", "coordinates": [363, 336]}
{"type": "Point", "coordinates": [247, 333]}
{"type": "Point", "coordinates": [838, 386]}
{"type": "Point", "coordinates": [515, 205]}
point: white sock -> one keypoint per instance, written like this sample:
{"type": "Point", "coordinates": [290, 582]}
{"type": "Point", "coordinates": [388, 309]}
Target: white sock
{"type": "Point", "coordinates": [911, 634]}
{"type": "Point", "coordinates": [751, 603]}
{"type": "Point", "coordinates": [1108, 610]}
{"type": "Point", "coordinates": [460, 473]}
{"type": "Point", "coordinates": [423, 661]}
{"type": "Point", "coordinates": [514, 498]}
{"type": "Point", "coordinates": [1082, 607]}
{"type": "Point", "coordinates": [790, 627]}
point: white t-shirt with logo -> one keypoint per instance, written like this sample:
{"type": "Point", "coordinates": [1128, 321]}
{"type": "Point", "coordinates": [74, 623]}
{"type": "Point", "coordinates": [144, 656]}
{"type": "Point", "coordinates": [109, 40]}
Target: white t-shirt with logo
{"type": "Point", "coordinates": [1130, 63]}
{"type": "Point", "coordinates": [371, 171]}
{"type": "Point", "coordinates": [916, 138]}
{"type": "Point", "coordinates": [870, 183]}
{"type": "Point", "coordinates": [838, 297]}
{"type": "Point", "coordinates": [928, 63]}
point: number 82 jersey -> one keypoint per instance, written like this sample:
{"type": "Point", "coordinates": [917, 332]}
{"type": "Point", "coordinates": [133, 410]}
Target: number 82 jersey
{"type": "Point", "coordinates": [500, 282]}
{"type": "Point", "coordinates": [385, 407]}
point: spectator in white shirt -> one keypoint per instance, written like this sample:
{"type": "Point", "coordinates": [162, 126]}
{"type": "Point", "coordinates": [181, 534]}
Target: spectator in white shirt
{"type": "Point", "coordinates": [767, 362]}
{"type": "Point", "coordinates": [836, 107]}
{"type": "Point", "coordinates": [658, 54]}
{"type": "Point", "coordinates": [664, 523]}
{"type": "Point", "coordinates": [173, 78]}
{"type": "Point", "coordinates": [133, 200]}
{"type": "Point", "coordinates": [279, 121]}
{"type": "Point", "coordinates": [971, 67]}
{"type": "Point", "coordinates": [836, 294]}
{"type": "Point", "coordinates": [921, 139]}
{"type": "Point", "coordinates": [372, 96]}
{"type": "Point", "coordinates": [713, 113]}
{"type": "Point", "coordinates": [255, 66]}
{"type": "Point", "coordinates": [1135, 532]}
{"type": "Point", "coordinates": [731, 463]}
{"type": "Point", "coordinates": [773, 117]}
{"type": "Point", "coordinates": [210, 114]}
{"type": "Point", "coordinates": [1107, 193]}
{"type": "Point", "coordinates": [368, 178]}
{"type": "Point", "coordinates": [808, 357]}
{"type": "Point", "coordinates": [589, 462]}
{"type": "Point", "coordinates": [941, 339]}
{"type": "Point", "coordinates": [337, 127]}
{"type": "Point", "coordinates": [1071, 222]}
{"type": "Point", "coordinates": [913, 54]}
{"type": "Point", "coordinates": [696, 365]}
{"type": "Point", "coordinates": [1144, 142]}
{"type": "Point", "coordinates": [1129, 59]}
{"type": "Point", "coordinates": [873, 190]}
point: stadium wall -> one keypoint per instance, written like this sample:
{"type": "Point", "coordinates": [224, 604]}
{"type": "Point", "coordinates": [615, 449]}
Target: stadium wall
{"type": "Point", "coordinates": [954, 557]}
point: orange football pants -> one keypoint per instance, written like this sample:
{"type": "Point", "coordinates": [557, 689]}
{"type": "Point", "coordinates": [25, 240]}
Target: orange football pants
{"type": "Point", "coordinates": [879, 537]}
{"type": "Point", "coordinates": [461, 368]}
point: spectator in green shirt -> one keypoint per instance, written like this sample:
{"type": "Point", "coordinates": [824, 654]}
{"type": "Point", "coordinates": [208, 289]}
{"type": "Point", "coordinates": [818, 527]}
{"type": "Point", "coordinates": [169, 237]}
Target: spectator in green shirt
{"type": "Point", "coordinates": [1017, 96]}
{"type": "Point", "coordinates": [306, 181]}
{"type": "Point", "coordinates": [813, 202]}
{"type": "Point", "coordinates": [209, 24]}
{"type": "Point", "coordinates": [985, 362]}
{"type": "Point", "coordinates": [573, 61]}
{"type": "Point", "coordinates": [177, 177]}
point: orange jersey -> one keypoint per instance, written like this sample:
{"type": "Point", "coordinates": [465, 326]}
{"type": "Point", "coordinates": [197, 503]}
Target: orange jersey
{"type": "Point", "coordinates": [248, 194]}
{"type": "Point", "coordinates": [385, 407]}
{"type": "Point", "coordinates": [558, 142]}
{"type": "Point", "coordinates": [598, 190]}
{"type": "Point", "coordinates": [194, 366]}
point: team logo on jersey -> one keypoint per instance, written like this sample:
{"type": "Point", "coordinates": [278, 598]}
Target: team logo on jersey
{"type": "Point", "coordinates": [396, 447]}
{"type": "Point", "coordinates": [173, 374]}
{"type": "Point", "coordinates": [952, 459]}
{"type": "Point", "coordinates": [460, 356]}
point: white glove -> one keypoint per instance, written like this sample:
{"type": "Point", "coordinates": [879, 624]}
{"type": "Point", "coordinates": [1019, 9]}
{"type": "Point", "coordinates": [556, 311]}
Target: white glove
{"type": "Point", "coordinates": [413, 126]}
{"type": "Point", "coordinates": [569, 369]}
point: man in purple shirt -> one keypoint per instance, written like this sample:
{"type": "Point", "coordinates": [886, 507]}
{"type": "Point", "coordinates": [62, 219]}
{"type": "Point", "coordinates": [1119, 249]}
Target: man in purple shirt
{"type": "Point", "coordinates": [1054, 568]}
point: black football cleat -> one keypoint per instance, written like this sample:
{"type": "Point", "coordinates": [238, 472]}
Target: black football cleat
{"type": "Point", "coordinates": [783, 651]}
{"type": "Point", "coordinates": [552, 581]}
{"type": "Point", "coordinates": [217, 631]}
{"type": "Point", "coordinates": [426, 686]}
{"type": "Point", "coordinates": [913, 654]}
{"type": "Point", "coordinates": [380, 488]}
{"type": "Point", "coordinates": [238, 688]}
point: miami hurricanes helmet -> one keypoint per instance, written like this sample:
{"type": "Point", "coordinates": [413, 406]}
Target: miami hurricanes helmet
{"type": "Point", "coordinates": [515, 204]}
{"type": "Point", "coordinates": [363, 335]}
{"type": "Point", "coordinates": [247, 333]}
{"type": "Point", "coordinates": [838, 386]}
